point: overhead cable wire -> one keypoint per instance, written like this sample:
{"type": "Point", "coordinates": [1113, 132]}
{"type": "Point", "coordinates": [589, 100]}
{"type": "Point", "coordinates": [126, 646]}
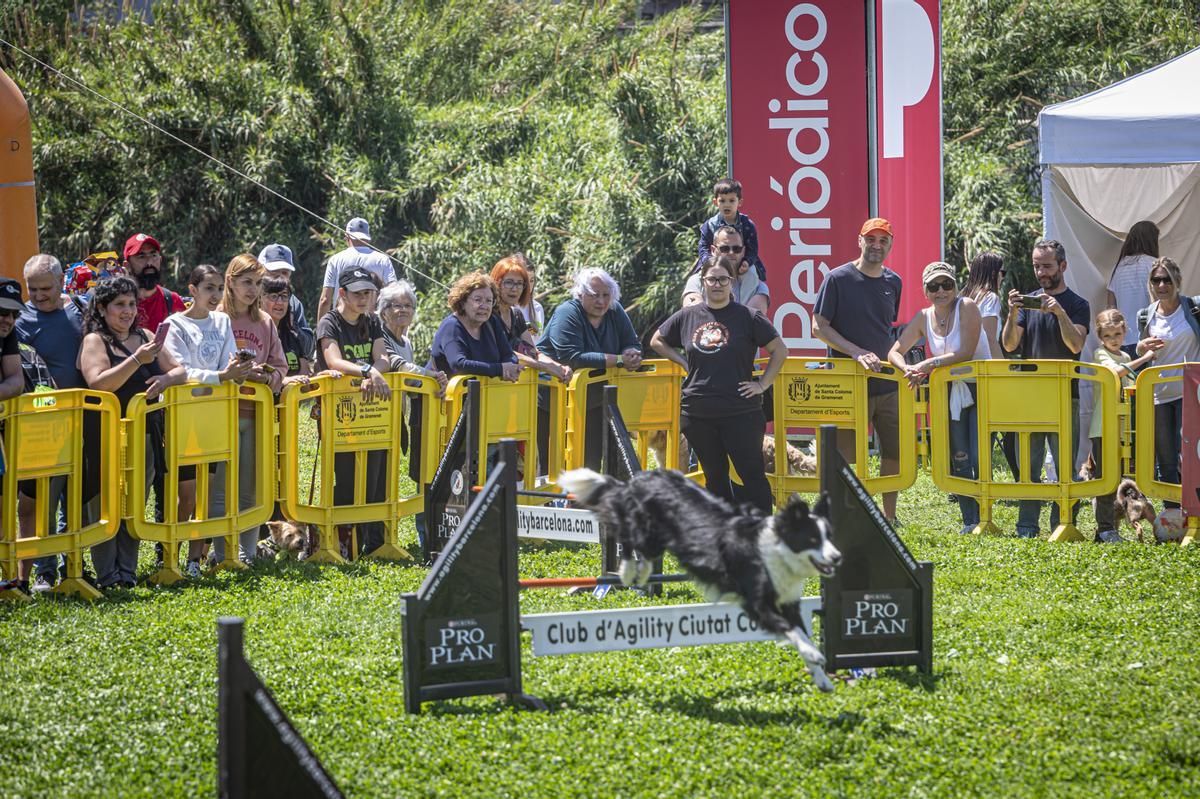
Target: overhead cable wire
{"type": "Point", "coordinates": [56, 71]}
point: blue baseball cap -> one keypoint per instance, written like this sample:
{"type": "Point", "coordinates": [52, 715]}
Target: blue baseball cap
{"type": "Point", "coordinates": [277, 258]}
{"type": "Point", "coordinates": [357, 228]}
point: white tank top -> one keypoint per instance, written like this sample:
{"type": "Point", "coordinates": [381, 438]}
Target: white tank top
{"type": "Point", "coordinates": [936, 344]}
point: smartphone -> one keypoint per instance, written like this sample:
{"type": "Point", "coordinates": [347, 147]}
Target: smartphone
{"type": "Point", "coordinates": [245, 354]}
{"type": "Point", "coordinates": [1032, 302]}
{"type": "Point", "coordinates": [160, 333]}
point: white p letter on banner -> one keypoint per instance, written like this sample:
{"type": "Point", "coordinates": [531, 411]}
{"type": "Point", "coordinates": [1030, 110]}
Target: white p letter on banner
{"type": "Point", "coordinates": [908, 56]}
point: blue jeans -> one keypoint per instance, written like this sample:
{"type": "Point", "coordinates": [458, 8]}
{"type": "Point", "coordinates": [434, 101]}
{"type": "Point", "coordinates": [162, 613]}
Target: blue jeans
{"type": "Point", "coordinates": [1168, 442]}
{"type": "Point", "coordinates": [48, 566]}
{"type": "Point", "coordinates": [1031, 509]}
{"type": "Point", "coordinates": [964, 456]}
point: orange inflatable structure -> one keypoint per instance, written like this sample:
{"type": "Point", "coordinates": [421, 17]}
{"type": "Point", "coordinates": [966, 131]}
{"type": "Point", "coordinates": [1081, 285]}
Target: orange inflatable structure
{"type": "Point", "coordinates": [18, 202]}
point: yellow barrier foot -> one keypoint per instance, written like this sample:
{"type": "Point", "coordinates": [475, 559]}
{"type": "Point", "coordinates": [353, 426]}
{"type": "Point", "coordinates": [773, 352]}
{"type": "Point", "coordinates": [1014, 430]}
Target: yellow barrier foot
{"type": "Point", "coordinates": [15, 595]}
{"type": "Point", "coordinates": [78, 587]}
{"type": "Point", "coordinates": [390, 552]}
{"type": "Point", "coordinates": [326, 556]}
{"type": "Point", "coordinates": [985, 528]}
{"type": "Point", "coordinates": [1066, 532]}
{"type": "Point", "coordinates": [230, 564]}
{"type": "Point", "coordinates": [167, 575]}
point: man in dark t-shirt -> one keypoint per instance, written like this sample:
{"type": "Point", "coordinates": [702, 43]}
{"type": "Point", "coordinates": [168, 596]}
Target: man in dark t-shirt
{"type": "Point", "coordinates": [855, 310]}
{"type": "Point", "coordinates": [1055, 331]}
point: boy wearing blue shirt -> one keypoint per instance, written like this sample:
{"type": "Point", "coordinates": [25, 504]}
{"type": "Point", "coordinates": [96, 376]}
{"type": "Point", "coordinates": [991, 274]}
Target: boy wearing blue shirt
{"type": "Point", "coordinates": [727, 196]}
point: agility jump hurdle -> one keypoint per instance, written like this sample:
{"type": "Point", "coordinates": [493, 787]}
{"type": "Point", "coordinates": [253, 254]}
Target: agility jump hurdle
{"type": "Point", "coordinates": [462, 628]}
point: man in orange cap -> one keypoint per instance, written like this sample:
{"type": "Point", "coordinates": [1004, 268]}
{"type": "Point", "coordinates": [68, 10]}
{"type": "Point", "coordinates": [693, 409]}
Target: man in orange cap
{"type": "Point", "coordinates": [855, 311]}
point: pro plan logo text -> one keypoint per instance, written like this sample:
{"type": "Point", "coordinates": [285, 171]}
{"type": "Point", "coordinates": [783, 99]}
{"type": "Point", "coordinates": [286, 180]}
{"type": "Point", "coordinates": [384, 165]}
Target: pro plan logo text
{"type": "Point", "coordinates": [882, 614]}
{"type": "Point", "coordinates": [462, 642]}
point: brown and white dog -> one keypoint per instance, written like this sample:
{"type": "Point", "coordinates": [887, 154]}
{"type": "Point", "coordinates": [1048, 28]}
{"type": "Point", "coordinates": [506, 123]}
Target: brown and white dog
{"type": "Point", "coordinates": [1134, 506]}
{"type": "Point", "coordinates": [287, 539]}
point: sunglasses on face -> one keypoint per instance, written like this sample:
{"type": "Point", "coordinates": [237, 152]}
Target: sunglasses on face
{"type": "Point", "coordinates": [398, 306]}
{"type": "Point", "coordinates": [7, 312]}
{"type": "Point", "coordinates": [718, 281]}
{"type": "Point", "coordinates": [730, 248]}
{"type": "Point", "coordinates": [940, 285]}
{"type": "Point", "coordinates": [512, 284]}
{"type": "Point", "coordinates": [280, 296]}
{"type": "Point", "coordinates": [1160, 281]}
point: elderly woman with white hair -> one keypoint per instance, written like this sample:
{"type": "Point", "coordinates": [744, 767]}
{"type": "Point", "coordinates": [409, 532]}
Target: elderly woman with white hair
{"type": "Point", "coordinates": [592, 331]}
{"type": "Point", "coordinates": [397, 308]}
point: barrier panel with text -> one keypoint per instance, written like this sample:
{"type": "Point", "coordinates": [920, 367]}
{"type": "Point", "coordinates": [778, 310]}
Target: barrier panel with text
{"type": "Point", "coordinates": [1145, 463]}
{"type": "Point", "coordinates": [46, 436]}
{"type": "Point", "coordinates": [361, 438]}
{"type": "Point", "coordinates": [810, 392]}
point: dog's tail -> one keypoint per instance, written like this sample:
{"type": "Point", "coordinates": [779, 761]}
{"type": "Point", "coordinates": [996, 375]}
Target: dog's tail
{"type": "Point", "coordinates": [1128, 487]}
{"type": "Point", "coordinates": [585, 484]}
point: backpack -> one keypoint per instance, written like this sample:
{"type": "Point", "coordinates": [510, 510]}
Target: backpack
{"type": "Point", "coordinates": [37, 374]}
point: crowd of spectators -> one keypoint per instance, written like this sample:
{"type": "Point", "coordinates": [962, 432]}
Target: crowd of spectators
{"type": "Point", "coordinates": [110, 325]}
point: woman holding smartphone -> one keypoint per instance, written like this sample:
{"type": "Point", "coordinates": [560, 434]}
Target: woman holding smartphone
{"type": "Point", "coordinates": [260, 350]}
{"type": "Point", "coordinates": [201, 339]}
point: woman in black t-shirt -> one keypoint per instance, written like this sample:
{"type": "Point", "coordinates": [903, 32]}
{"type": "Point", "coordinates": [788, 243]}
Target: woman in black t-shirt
{"type": "Point", "coordinates": [721, 406]}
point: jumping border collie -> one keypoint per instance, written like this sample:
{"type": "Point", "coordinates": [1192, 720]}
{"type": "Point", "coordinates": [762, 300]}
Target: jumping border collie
{"type": "Point", "coordinates": [760, 561]}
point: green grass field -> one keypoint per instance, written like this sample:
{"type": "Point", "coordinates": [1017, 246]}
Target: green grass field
{"type": "Point", "coordinates": [1059, 670]}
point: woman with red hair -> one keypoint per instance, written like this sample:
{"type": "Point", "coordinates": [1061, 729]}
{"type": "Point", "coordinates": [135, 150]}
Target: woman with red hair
{"type": "Point", "coordinates": [515, 291]}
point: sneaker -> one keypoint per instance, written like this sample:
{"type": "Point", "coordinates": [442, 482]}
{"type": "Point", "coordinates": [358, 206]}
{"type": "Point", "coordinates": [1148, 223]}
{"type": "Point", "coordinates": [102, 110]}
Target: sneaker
{"type": "Point", "coordinates": [193, 569]}
{"type": "Point", "coordinates": [967, 528]}
{"type": "Point", "coordinates": [41, 585]}
{"type": "Point", "coordinates": [1109, 537]}
{"type": "Point", "coordinates": [1026, 533]}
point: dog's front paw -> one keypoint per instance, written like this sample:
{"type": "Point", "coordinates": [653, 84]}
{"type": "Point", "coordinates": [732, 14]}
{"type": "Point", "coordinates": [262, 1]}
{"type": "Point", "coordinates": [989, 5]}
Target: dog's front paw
{"type": "Point", "coordinates": [627, 571]}
{"type": "Point", "coordinates": [644, 569]}
{"type": "Point", "coordinates": [820, 678]}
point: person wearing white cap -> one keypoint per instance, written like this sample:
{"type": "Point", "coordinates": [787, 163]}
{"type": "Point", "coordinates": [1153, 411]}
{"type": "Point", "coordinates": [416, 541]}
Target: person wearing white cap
{"type": "Point", "coordinates": [357, 255]}
{"type": "Point", "coordinates": [277, 258]}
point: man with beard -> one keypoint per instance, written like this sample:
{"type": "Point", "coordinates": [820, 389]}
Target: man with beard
{"type": "Point", "coordinates": [143, 261]}
{"type": "Point", "coordinates": [855, 310]}
{"type": "Point", "coordinates": [1055, 331]}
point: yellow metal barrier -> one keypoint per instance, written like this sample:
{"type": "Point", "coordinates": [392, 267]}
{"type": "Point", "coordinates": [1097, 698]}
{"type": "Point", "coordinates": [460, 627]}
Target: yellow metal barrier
{"type": "Point", "coordinates": [355, 426]}
{"type": "Point", "coordinates": [201, 427]}
{"type": "Point", "coordinates": [510, 410]}
{"type": "Point", "coordinates": [1026, 398]}
{"type": "Point", "coordinates": [648, 400]}
{"type": "Point", "coordinates": [1144, 462]}
{"type": "Point", "coordinates": [44, 441]}
{"type": "Point", "coordinates": [810, 392]}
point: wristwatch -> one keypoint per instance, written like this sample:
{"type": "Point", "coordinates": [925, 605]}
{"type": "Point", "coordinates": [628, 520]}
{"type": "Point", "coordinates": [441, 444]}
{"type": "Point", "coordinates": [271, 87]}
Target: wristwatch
{"type": "Point", "coordinates": [366, 370]}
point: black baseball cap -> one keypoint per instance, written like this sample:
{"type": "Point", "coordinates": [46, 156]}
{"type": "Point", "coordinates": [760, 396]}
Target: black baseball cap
{"type": "Point", "coordinates": [357, 279]}
{"type": "Point", "coordinates": [10, 295]}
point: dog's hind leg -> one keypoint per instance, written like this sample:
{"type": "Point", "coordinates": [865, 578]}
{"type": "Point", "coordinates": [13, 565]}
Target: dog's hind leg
{"type": "Point", "coordinates": [813, 658]}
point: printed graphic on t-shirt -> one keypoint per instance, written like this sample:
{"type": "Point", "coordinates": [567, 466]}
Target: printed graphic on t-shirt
{"type": "Point", "coordinates": [361, 353]}
{"type": "Point", "coordinates": [710, 337]}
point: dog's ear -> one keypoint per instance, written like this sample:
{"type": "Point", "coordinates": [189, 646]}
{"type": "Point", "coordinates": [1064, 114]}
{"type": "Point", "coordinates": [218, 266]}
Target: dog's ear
{"type": "Point", "coordinates": [796, 508]}
{"type": "Point", "coordinates": [274, 527]}
{"type": "Point", "coordinates": [822, 507]}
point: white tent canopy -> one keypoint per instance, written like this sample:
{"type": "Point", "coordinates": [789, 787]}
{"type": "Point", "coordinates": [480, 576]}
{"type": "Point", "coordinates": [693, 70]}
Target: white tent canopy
{"type": "Point", "coordinates": [1124, 153]}
{"type": "Point", "coordinates": [1127, 152]}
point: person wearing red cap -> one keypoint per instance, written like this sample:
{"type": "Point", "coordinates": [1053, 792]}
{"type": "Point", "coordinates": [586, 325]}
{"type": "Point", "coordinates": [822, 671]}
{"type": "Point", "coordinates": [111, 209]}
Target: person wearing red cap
{"type": "Point", "coordinates": [143, 260]}
{"type": "Point", "coordinates": [854, 314]}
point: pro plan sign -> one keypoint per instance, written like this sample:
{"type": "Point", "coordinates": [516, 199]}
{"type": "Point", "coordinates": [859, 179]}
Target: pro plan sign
{"type": "Point", "coordinates": [455, 642]}
{"type": "Point", "coordinates": [877, 614]}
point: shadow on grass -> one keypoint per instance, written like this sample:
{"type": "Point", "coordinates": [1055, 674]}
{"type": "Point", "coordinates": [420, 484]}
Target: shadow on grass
{"type": "Point", "coordinates": [912, 678]}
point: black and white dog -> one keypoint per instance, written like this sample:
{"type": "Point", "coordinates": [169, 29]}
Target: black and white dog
{"type": "Point", "coordinates": [762, 562]}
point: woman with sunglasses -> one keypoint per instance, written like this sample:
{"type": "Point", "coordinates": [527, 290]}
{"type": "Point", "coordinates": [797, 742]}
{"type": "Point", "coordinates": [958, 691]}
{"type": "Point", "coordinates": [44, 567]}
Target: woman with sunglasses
{"type": "Point", "coordinates": [1169, 327]}
{"type": "Point", "coordinates": [950, 327]}
{"type": "Point", "coordinates": [721, 409]}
